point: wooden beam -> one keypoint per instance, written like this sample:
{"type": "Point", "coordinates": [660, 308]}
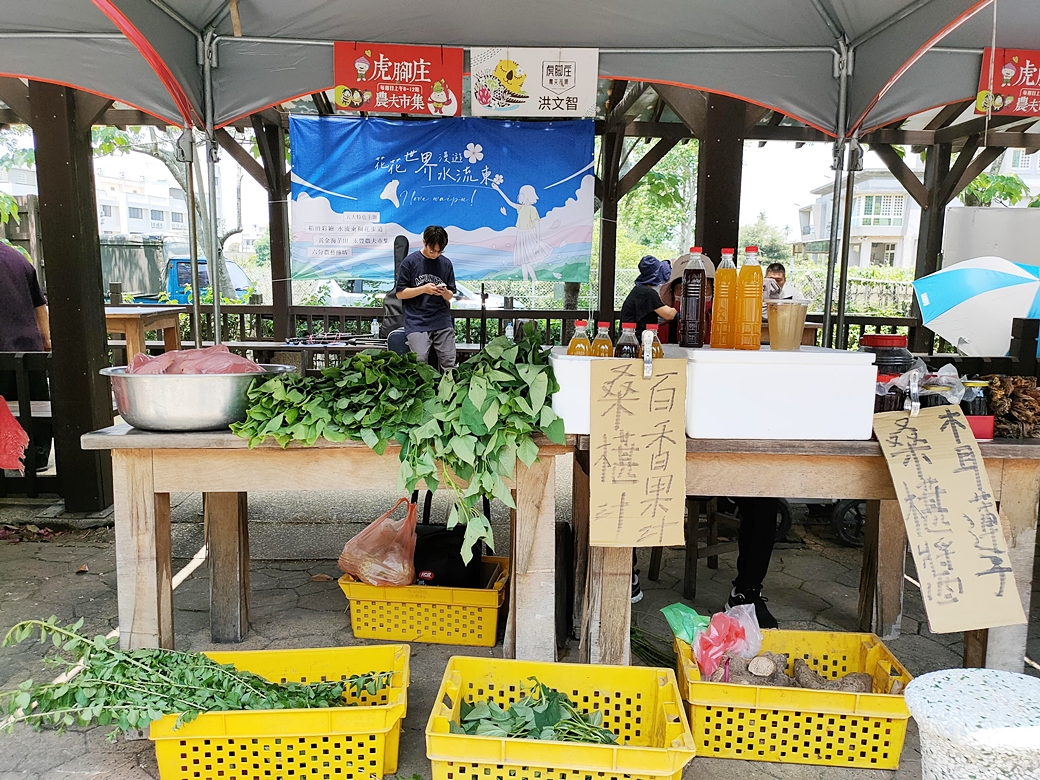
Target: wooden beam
{"type": "Point", "coordinates": [964, 159]}
{"type": "Point", "coordinates": [690, 105]}
{"type": "Point", "coordinates": [16, 95]}
{"type": "Point", "coordinates": [973, 126]}
{"type": "Point", "coordinates": [632, 92]}
{"type": "Point", "coordinates": [785, 133]}
{"type": "Point", "coordinates": [947, 114]}
{"type": "Point", "coordinates": [985, 159]}
{"type": "Point", "coordinates": [900, 137]}
{"type": "Point", "coordinates": [90, 108]}
{"type": "Point", "coordinates": [645, 164]}
{"type": "Point", "coordinates": [755, 114]}
{"type": "Point", "coordinates": [899, 169]}
{"type": "Point", "coordinates": [241, 156]}
{"type": "Point", "coordinates": [929, 236]}
{"type": "Point", "coordinates": [322, 103]}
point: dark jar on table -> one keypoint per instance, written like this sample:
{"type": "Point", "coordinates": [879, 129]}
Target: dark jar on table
{"type": "Point", "coordinates": [892, 401]}
{"type": "Point", "coordinates": [974, 402]}
{"type": "Point", "coordinates": [890, 353]}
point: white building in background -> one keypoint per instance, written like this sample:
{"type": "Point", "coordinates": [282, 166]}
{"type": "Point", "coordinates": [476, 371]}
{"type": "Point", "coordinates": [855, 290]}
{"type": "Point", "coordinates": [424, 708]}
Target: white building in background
{"type": "Point", "coordinates": [139, 204]}
{"type": "Point", "coordinates": [18, 181]}
{"type": "Point", "coordinates": [885, 219]}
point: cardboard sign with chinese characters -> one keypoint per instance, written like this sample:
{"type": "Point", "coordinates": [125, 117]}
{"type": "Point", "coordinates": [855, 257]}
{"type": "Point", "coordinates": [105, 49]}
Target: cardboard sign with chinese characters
{"type": "Point", "coordinates": [547, 83]}
{"type": "Point", "coordinates": [637, 454]}
{"type": "Point", "coordinates": [1016, 83]}
{"type": "Point", "coordinates": [397, 79]}
{"type": "Point", "coordinates": [951, 520]}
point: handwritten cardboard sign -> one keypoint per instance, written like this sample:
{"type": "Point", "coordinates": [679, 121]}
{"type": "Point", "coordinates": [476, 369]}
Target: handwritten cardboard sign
{"type": "Point", "coordinates": [951, 520]}
{"type": "Point", "coordinates": [637, 454]}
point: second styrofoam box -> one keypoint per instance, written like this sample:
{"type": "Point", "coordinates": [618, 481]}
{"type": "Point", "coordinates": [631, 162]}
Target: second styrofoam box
{"type": "Point", "coordinates": [811, 393]}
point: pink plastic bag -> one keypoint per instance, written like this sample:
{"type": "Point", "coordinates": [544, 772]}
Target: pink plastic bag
{"type": "Point", "coordinates": [384, 552]}
{"type": "Point", "coordinates": [725, 636]}
{"type": "Point", "coordinates": [211, 360]}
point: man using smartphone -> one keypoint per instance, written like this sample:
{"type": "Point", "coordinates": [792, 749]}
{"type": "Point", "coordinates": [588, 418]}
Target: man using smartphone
{"type": "Point", "coordinates": [425, 286]}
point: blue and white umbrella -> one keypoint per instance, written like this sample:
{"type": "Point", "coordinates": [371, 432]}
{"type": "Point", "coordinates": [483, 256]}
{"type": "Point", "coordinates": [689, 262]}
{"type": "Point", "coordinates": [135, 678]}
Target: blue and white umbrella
{"type": "Point", "coordinates": [972, 304]}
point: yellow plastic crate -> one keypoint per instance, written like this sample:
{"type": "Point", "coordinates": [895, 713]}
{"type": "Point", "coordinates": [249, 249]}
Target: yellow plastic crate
{"type": "Point", "coordinates": [794, 725]}
{"type": "Point", "coordinates": [348, 743]}
{"type": "Point", "coordinates": [420, 613]}
{"type": "Point", "coordinates": [641, 705]}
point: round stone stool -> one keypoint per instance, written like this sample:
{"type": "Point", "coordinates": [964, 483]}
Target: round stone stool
{"type": "Point", "coordinates": [977, 724]}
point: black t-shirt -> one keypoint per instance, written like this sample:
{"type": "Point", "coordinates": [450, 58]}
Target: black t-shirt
{"type": "Point", "coordinates": [425, 313]}
{"type": "Point", "coordinates": [640, 307]}
{"type": "Point", "coordinates": [20, 296]}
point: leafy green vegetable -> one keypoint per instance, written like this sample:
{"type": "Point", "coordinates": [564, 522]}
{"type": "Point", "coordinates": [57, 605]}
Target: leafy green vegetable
{"type": "Point", "coordinates": [541, 713]}
{"type": "Point", "coordinates": [465, 430]}
{"type": "Point", "coordinates": [130, 689]}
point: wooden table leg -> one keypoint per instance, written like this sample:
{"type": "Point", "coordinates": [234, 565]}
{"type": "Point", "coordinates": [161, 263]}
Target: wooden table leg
{"type": "Point", "coordinates": [144, 587]}
{"type": "Point", "coordinates": [882, 575]}
{"type": "Point", "coordinates": [580, 519]}
{"type": "Point", "coordinates": [135, 342]}
{"type": "Point", "coordinates": [227, 523]}
{"type": "Point", "coordinates": [532, 602]}
{"type": "Point", "coordinates": [172, 337]}
{"type": "Point", "coordinates": [693, 540]}
{"type": "Point", "coordinates": [610, 605]}
{"type": "Point", "coordinates": [1020, 487]}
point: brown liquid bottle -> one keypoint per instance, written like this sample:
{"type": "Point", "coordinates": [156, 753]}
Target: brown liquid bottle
{"type": "Point", "coordinates": [627, 345]}
{"type": "Point", "coordinates": [693, 311]}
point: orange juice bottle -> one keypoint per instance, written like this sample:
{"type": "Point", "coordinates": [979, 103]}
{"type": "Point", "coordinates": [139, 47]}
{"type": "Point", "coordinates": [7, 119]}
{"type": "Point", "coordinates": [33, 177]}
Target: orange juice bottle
{"type": "Point", "coordinates": [602, 346]}
{"type": "Point", "coordinates": [656, 349]}
{"type": "Point", "coordinates": [724, 301]}
{"type": "Point", "coordinates": [580, 340]}
{"type": "Point", "coordinates": [749, 302]}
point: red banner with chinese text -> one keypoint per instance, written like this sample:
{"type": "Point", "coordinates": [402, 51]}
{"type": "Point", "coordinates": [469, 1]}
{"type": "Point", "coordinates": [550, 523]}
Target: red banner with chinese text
{"type": "Point", "coordinates": [397, 79]}
{"type": "Point", "coordinates": [1016, 83]}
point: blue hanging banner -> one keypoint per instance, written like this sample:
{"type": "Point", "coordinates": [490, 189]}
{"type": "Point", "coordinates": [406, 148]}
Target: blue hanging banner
{"type": "Point", "coordinates": [515, 197]}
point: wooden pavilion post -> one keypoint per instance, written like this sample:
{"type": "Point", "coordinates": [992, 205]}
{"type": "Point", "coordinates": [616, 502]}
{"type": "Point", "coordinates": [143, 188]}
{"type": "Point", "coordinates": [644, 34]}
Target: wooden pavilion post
{"type": "Point", "coordinates": [270, 138]}
{"type": "Point", "coordinates": [610, 148]}
{"type": "Point", "coordinates": [61, 119]}
{"type": "Point", "coordinates": [719, 170]}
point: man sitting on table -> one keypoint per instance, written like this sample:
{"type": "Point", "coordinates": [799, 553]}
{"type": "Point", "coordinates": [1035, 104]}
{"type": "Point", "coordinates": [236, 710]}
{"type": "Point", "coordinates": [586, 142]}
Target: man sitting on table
{"type": "Point", "coordinates": [426, 285]}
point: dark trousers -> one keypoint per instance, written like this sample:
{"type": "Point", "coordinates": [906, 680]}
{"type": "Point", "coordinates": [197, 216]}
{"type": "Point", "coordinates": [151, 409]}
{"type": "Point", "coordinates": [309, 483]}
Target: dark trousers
{"type": "Point", "coordinates": [755, 542]}
{"type": "Point", "coordinates": [38, 391]}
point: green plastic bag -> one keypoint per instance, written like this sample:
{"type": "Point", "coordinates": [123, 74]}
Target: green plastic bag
{"type": "Point", "coordinates": [685, 622]}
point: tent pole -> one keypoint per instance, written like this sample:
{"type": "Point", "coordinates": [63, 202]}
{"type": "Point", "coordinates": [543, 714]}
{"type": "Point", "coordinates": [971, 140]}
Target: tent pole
{"type": "Point", "coordinates": [186, 153]}
{"type": "Point", "coordinates": [839, 156]}
{"type": "Point", "coordinates": [846, 231]}
{"type": "Point", "coordinates": [211, 171]}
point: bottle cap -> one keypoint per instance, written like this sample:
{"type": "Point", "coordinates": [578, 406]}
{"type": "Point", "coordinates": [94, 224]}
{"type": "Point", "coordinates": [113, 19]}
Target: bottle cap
{"type": "Point", "coordinates": [727, 251]}
{"type": "Point", "coordinates": [696, 250]}
{"type": "Point", "coordinates": [651, 327]}
{"type": "Point", "coordinates": [603, 324]}
{"type": "Point", "coordinates": [581, 323]}
{"type": "Point", "coordinates": [631, 325]}
{"type": "Point", "coordinates": [751, 249]}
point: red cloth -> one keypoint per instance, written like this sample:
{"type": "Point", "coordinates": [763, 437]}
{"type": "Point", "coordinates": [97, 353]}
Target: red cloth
{"type": "Point", "coordinates": [13, 440]}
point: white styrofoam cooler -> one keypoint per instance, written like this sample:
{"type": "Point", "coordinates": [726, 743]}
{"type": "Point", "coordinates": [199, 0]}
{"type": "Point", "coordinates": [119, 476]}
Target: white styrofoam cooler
{"type": "Point", "coordinates": [812, 393]}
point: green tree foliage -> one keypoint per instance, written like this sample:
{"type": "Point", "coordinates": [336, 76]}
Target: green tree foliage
{"type": "Point", "coordinates": [998, 189]}
{"type": "Point", "coordinates": [262, 249]}
{"type": "Point", "coordinates": [772, 241]}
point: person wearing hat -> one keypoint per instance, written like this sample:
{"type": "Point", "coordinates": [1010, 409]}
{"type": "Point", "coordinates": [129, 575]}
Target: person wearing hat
{"type": "Point", "coordinates": [644, 306]}
{"type": "Point", "coordinates": [671, 293]}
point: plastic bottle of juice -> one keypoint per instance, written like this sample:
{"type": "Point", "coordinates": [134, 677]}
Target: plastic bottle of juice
{"type": "Point", "coordinates": [580, 340]}
{"type": "Point", "coordinates": [749, 302]}
{"type": "Point", "coordinates": [692, 312]}
{"type": "Point", "coordinates": [627, 345]}
{"type": "Point", "coordinates": [724, 302]}
{"type": "Point", "coordinates": [602, 346]}
{"type": "Point", "coordinates": [656, 350]}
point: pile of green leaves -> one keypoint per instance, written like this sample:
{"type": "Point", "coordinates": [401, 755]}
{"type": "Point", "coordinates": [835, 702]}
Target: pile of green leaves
{"type": "Point", "coordinates": [130, 689]}
{"type": "Point", "coordinates": [464, 431]}
{"type": "Point", "coordinates": [541, 713]}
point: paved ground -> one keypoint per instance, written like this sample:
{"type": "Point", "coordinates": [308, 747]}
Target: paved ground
{"type": "Point", "coordinates": [812, 584]}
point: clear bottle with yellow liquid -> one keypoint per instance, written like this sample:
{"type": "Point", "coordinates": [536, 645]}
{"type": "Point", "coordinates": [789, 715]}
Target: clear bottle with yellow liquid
{"type": "Point", "coordinates": [602, 346]}
{"type": "Point", "coordinates": [748, 329]}
{"type": "Point", "coordinates": [656, 348]}
{"type": "Point", "coordinates": [579, 344]}
{"type": "Point", "coordinates": [724, 301]}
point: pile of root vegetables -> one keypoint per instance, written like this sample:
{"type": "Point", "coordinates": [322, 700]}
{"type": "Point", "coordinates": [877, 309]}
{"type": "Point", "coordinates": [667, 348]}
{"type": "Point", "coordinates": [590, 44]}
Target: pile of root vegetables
{"type": "Point", "coordinates": [771, 669]}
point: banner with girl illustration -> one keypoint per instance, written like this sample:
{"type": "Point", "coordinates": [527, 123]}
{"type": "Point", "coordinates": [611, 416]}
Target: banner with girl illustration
{"type": "Point", "coordinates": [515, 197]}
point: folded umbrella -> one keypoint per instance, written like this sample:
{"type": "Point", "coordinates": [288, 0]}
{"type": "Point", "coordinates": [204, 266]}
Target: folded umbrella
{"type": "Point", "coordinates": [972, 304]}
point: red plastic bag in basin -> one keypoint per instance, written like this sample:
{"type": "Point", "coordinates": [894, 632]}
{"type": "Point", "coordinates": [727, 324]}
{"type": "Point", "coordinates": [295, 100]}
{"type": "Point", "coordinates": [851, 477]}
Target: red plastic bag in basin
{"type": "Point", "coordinates": [724, 636]}
{"type": "Point", "coordinates": [384, 552]}
{"type": "Point", "coordinates": [13, 440]}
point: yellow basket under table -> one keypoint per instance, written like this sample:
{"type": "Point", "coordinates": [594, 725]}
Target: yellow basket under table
{"type": "Point", "coordinates": [421, 613]}
{"type": "Point", "coordinates": [794, 725]}
{"type": "Point", "coordinates": [340, 743]}
{"type": "Point", "coordinates": [642, 706]}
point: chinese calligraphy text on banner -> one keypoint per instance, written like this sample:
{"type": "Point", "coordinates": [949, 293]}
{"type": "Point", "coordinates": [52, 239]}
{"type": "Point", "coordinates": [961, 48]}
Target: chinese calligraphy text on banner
{"type": "Point", "coordinates": [547, 83]}
{"type": "Point", "coordinates": [637, 454]}
{"type": "Point", "coordinates": [515, 197]}
{"type": "Point", "coordinates": [1016, 83]}
{"type": "Point", "coordinates": [951, 520]}
{"type": "Point", "coordinates": [397, 79]}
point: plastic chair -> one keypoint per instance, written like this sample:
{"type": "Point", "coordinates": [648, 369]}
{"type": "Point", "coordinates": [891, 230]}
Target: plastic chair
{"type": "Point", "coordinates": [396, 342]}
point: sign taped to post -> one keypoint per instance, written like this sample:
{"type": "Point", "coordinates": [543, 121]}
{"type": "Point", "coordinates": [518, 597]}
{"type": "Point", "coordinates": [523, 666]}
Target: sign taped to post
{"type": "Point", "coordinates": [637, 454]}
{"type": "Point", "coordinates": [951, 520]}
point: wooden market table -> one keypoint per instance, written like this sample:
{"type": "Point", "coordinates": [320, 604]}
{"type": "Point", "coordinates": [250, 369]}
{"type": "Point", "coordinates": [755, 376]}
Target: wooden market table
{"type": "Point", "coordinates": [134, 321]}
{"type": "Point", "coordinates": [816, 469]}
{"type": "Point", "coordinates": [147, 467]}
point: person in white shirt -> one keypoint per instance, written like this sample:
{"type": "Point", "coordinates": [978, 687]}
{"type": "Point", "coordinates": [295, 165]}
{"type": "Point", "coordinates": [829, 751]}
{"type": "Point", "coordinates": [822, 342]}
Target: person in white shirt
{"type": "Point", "coordinates": [780, 289]}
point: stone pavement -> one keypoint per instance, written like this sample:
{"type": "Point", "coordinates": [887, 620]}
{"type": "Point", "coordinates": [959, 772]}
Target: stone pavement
{"type": "Point", "coordinates": [812, 584]}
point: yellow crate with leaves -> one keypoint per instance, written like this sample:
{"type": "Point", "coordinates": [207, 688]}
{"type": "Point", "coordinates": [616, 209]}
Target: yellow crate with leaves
{"type": "Point", "coordinates": [436, 615]}
{"type": "Point", "coordinates": [642, 706]}
{"type": "Point", "coordinates": [794, 725]}
{"type": "Point", "coordinates": [355, 742]}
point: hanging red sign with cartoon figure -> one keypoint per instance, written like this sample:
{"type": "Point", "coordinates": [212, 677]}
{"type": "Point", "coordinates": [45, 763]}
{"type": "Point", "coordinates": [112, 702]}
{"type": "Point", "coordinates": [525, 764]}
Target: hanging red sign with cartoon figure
{"type": "Point", "coordinates": [397, 79]}
{"type": "Point", "coordinates": [1015, 82]}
